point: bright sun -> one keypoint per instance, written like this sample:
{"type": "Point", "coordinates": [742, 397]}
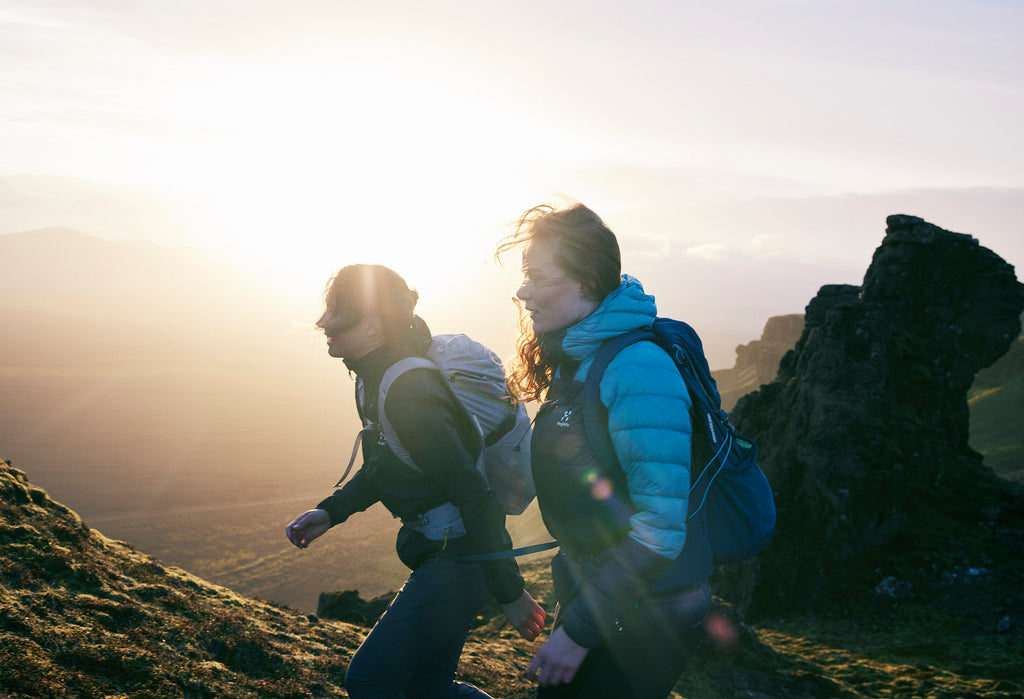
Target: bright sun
{"type": "Point", "coordinates": [377, 168]}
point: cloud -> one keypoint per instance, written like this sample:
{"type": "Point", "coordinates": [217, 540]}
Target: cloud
{"type": "Point", "coordinates": [710, 251]}
{"type": "Point", "coordinates": [766, 246]}
{"type": "Point", "coordinates": [640, 246]}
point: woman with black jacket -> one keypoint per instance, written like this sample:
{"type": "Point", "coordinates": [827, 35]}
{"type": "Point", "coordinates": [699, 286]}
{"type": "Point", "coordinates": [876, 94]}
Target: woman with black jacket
{"type": "Point", "coordinates": [446, 508]}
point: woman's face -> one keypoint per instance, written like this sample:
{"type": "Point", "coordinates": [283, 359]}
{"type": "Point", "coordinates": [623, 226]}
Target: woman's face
{"type": "Point", "coordinates": [553, 299]}
{"type": "Point", "coordinates": [347, 338]}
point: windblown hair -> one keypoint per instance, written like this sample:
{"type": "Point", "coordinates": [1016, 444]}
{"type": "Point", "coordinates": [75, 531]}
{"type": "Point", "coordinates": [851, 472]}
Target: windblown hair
{"type": "Point", "coordinates": [587, 251]}
{"type": "Point", "coordinates": [357, 291]}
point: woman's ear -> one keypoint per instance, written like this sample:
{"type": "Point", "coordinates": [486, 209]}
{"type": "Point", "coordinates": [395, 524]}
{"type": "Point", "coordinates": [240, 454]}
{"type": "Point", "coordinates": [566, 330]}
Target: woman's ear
{"type": "Point", "coordinates": [374, 327]}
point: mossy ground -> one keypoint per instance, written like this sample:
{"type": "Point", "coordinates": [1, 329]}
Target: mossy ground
{"type": "Point", "coordinates": [84, 616]}
{"type": "Point", "coordinates": [920, 648]}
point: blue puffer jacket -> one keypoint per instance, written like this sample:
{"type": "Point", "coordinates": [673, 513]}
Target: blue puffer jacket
{"type": "Point", "coordinates": [648, 415]}
{"type": "Point", "coordinates": [649, 422]}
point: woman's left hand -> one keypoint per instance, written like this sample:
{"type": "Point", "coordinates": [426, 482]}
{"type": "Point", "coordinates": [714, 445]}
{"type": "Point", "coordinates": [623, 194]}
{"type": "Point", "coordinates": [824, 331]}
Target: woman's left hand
{"type": "Point", "coordinates": [526, 616]}
{"type": "Point", "coordinates": [557, 661]}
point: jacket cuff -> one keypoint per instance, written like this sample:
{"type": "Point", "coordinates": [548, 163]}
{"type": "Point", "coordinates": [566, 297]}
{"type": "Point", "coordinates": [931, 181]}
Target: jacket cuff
{"type": "Point", "coordinates": [504, 581]}
{"type": "Point", "coordinates": [330, 505]}
{"type": "Point", "coordinates": [576, 626]}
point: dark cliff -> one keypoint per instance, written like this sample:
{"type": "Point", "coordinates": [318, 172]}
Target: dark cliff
{"type": "Point", "coordinates": [864, 433]}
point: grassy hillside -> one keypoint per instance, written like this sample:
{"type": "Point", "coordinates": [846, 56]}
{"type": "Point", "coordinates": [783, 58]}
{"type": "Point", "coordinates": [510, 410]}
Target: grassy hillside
{"type": "Point", "coordinates": [997, 402]}
{"type": "Point", "coordinates": [84, 616]}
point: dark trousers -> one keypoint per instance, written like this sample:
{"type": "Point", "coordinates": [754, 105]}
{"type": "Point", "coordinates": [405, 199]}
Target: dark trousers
{"type": "Point", "coordinates": [413, 650]}
{"type": "Point", "coordinates": [644, 659]}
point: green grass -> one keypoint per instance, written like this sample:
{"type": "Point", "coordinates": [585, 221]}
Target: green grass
{"type": "Point", "coordinates": [997, 411]}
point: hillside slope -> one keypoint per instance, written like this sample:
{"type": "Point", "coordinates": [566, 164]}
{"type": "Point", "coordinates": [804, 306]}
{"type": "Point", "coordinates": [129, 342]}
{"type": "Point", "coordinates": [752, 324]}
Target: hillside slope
{"type": "Point", "coordinates": [997, 412]}
{"type": "Point", "coordinates": [82, 615]}
{"type": "Point", "coordinates": [85, 616]}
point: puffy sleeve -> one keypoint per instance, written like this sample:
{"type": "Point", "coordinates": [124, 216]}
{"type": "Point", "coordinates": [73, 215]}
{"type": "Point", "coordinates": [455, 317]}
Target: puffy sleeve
{"type": "Point", "coordinates": [649, 422]}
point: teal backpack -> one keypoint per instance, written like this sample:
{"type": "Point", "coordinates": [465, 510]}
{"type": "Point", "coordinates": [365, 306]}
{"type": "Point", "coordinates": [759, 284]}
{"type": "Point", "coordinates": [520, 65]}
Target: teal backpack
{"type": "Point", "coordinates": [725, 480]}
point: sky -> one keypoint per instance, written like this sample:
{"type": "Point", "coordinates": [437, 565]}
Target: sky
{"type": "Point", "coordinates": [754, 146]}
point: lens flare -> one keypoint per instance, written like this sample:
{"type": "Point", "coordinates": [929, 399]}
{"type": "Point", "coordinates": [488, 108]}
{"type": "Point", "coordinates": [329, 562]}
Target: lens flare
{"type": "Point", "coordinates": [721, 630]}
{"type": "Point", "coordinates": [600, 488]}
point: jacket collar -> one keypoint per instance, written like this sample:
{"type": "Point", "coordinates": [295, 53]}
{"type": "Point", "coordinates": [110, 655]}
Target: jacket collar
{"type": "Point", "coordinates": [372, 365]}
{"type": "Point", "coordinates": [625, 309]}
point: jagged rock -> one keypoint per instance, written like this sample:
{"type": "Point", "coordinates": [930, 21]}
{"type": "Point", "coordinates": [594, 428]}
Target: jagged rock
{"type": "Point", "coordinates": [864, 431]}
{"type": "Point", "coordinates": [349, 606]}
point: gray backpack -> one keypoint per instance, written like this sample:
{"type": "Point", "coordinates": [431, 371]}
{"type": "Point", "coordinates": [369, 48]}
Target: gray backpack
{"type": "Point", "coordinates": [477, 379]}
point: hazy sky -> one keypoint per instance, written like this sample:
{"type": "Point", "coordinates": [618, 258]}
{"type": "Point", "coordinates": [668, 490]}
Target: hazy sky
{"type": "Point", "coordinates": [297, 136]}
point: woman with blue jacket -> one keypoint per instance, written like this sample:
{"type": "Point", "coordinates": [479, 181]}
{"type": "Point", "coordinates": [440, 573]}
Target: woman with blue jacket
{"type": "Point", "coordinates": [631, 575]}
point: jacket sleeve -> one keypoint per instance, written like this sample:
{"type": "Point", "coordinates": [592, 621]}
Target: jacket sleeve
{"type": "Point", "coordinates": [649, 422]}
{"type": "Point", "coordinates": [355, 496]}
{"type": "Point", "coordinates": [427, 423]}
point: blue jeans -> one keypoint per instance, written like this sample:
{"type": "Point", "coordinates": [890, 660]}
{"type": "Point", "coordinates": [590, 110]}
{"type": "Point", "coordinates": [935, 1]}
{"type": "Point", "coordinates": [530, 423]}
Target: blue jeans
{"type": "Point", "coordinates": [413, 650]}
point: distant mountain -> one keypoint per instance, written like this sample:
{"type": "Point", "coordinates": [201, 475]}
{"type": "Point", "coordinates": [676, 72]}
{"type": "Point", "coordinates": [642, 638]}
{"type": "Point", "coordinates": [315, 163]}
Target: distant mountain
{"type": "Point", "coordinates": [69, 297]}
{"type": "Point", "coordinates": [29, 202]}
{"type": "Point", "coordinates": [757, 362]}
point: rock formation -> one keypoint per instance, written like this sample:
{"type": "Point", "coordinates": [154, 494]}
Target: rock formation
{"type": "Point", "coordinates": [864, 431]}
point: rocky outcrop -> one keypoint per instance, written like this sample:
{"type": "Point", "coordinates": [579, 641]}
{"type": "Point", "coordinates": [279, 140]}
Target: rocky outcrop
{"type": "Point", "coordinates": [757, 362]}
{"type": "Point", "coordinates": [348, 606]}
{"type": "Point", "coordinates": [864, 432]}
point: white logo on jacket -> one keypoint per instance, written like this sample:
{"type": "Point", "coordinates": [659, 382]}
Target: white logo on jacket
{"type": "Point", "coordinates": [564, 420]}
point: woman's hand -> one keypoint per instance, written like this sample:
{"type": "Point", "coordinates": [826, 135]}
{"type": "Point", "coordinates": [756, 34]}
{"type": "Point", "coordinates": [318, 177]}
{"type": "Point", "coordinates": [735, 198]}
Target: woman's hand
{"type": "Point", "coordinates": [557, 660]}
{"type": "Point", "coordinates": [526, 616]}
{"type": "Point", "coordinates": [307, 526]}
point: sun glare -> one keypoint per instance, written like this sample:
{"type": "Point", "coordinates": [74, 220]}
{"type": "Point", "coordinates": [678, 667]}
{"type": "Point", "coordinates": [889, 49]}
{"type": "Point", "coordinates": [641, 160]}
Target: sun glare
{"type": "Point", "coordinates": [381, 168]}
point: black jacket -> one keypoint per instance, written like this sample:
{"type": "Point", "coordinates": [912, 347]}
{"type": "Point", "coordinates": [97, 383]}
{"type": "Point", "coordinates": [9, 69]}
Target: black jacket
{"type": "Point", "coordinates": [444, 445]}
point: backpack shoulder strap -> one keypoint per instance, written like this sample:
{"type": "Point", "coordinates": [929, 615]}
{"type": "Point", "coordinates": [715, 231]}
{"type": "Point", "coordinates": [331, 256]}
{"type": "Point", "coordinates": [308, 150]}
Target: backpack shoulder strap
{"type": "Point", "coordinates": [595, 413]}
{"type": "Point", "coordinates": [684, 346]}
{"type": "Point", "coordinates": [390, 376]}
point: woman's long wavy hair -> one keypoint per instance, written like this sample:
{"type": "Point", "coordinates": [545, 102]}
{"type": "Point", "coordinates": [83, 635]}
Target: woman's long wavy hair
{"type": "Point", "coordinates": [360, 290]}
{"type": "Point", "coordinates": [587, 251]}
